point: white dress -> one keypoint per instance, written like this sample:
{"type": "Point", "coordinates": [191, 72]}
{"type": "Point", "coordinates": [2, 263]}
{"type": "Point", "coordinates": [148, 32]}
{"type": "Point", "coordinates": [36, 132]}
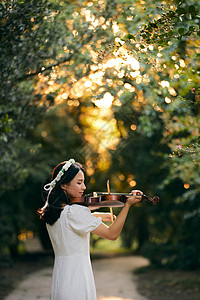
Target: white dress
{"type": "Point", "coordinates": [70, 236]}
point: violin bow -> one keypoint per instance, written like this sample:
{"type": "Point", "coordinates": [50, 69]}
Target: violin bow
{"type": "Point", "coordinates": [108, 190]}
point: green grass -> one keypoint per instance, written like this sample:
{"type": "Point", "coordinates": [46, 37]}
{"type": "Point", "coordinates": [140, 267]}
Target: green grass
{"type": "Point", "coordinates": [163, 284]}
{"type": "Point", "coordinates": [110, 247]}
{"type": "Point", "coordinates": [107, 246]}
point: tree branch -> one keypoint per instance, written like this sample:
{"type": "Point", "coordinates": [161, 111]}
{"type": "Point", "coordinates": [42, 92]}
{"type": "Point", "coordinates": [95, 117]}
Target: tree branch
{"type": "Point", "coordinates": [44, 69]}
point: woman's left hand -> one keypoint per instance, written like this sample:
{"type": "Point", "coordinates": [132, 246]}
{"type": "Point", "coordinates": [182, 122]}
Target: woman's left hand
{"type": "Point", "coordinates": [136, 196]}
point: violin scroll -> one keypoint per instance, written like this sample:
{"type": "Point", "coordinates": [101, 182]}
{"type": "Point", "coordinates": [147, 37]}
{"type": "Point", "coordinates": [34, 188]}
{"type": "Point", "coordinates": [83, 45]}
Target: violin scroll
{"type": "Point", "coordinates": [153, 201]}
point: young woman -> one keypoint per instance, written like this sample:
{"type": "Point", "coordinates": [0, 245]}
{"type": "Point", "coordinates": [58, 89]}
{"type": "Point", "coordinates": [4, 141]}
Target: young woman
{"type": "Point", "coordinates": [69, 225]}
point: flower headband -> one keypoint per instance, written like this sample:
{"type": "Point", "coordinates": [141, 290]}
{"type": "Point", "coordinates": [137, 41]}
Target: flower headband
{"type": "Point", "coordinates": [50, 186]}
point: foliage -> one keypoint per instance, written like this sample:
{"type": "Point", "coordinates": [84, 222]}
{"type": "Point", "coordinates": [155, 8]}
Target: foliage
{"type": "Point", "coordinates": [51, 146]}
{"type": "Point", "coordinates": [120, 80]}
{"type": "Point", "coordinates": [177, 21]}
{"type": "Point", "coordinates": [180, 119]}
{"type": "Point", "coordinates": [22, 26]}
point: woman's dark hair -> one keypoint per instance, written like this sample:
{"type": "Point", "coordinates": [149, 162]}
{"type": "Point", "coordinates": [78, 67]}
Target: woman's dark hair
{"type": "Point", "coordinates": [57, 197]}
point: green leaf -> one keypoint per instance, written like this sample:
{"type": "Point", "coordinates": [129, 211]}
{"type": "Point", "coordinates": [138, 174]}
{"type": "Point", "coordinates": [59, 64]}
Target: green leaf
{"type": "Point", "coordinates": [181, 30]}
{"type": "Point", "coordinates": [130, 36]}
{"type": "Point", "coordinates": [180, 18]}
{"type": "Point", "coordinates": [191, 8]}
{"type": "Point", "coordinates": [181, 11]}
{"type": "Point", "coordinates": [189, 16]}
{"type": "Point", "coordinates": [191, 28]}
{"type": "Point", "coordinates": [170, 33]}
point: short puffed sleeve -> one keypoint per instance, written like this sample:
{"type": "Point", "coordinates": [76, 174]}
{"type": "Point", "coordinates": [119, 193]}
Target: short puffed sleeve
{"type": "Point", "coordinates": [80, 219]}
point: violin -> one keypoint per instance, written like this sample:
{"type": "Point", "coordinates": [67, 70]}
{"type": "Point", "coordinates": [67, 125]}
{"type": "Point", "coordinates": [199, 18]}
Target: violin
{"type": "Point", "coordinates": [98, 199]}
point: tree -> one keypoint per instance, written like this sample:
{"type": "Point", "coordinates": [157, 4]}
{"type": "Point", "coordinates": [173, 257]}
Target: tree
{"type": "Point", "coordinates": [173, 36]}
{"type": "Point", "coordinates": [128, 92]}
{"type": "Point", "coordinates": [25, 42]}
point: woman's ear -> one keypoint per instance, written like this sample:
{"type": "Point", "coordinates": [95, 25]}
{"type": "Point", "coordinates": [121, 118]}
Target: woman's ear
{"type": "Point", "coordinates": [64, 187]}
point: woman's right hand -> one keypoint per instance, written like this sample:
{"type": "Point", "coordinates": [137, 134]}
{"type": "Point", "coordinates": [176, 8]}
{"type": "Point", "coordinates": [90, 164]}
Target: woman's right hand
{"type": "Point", "coordinates": [113, 231]}
{"type": "Point", "coordinates": [134, 198]}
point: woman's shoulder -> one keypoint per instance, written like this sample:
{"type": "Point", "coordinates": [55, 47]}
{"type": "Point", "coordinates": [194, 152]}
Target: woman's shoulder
{"type": "Point", "coordinates": [80, 219]}
{"type": "Point", "coordinates": [76, 208]}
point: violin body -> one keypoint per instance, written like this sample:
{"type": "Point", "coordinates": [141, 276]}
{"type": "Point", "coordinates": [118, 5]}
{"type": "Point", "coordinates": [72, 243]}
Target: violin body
{"type": "Point", "coordinates": [110, 200]}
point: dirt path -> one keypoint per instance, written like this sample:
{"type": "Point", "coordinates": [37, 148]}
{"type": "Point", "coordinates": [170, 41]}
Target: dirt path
{"type": "Point", "coordinates": [115, 279]}
{"type": "Point", "coordinates": [113, 276]}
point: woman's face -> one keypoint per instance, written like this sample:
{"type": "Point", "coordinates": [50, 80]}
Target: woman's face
{"type": "Point", "coordinates": [76, 187]}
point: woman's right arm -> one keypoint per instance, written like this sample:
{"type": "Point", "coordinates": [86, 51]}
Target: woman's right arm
{"type": "Point", "coordinates": [113, 231]}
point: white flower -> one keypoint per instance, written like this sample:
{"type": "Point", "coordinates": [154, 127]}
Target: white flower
{"type": "Point", "coordinates": [59, 176]}
{"type": "Point", "coordinates": [51, 185]}
{"type": "Point", "coordinates": [68, 164]}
